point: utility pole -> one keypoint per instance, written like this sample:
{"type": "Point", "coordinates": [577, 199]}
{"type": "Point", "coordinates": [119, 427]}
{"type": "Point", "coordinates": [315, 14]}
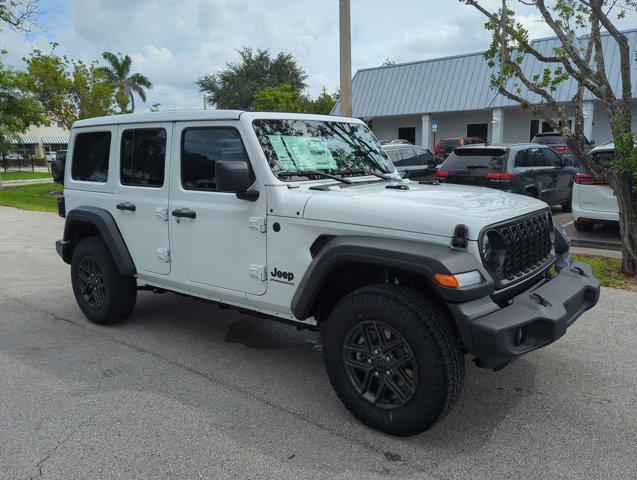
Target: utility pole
{"type": "Point", "coordinates": [346, 58]}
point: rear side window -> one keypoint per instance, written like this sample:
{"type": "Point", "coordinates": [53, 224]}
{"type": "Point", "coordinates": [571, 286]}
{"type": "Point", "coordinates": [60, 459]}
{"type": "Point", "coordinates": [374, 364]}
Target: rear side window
{"type": "Point", "coordinates": [604, 159]}
{"type": "Point", "coordinates": [522, 159]}
{"type": "Point", "coordinates": [143, 157]}
{"type": "Point", "coordinates": [201, 149]}
{"type": "Point", "coordinates": [537, 158]}
{"type": "Point", "coordinates": [475, 158]}
{"type": "Point", "coordinates": [91, 152]}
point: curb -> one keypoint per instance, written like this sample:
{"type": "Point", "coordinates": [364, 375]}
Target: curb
{"type": "Point", "coordinates": [596, 244]}
{"type": "Point", "coordinates": [32, 181]}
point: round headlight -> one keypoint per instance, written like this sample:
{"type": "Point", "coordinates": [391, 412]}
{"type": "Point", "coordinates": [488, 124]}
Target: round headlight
{"type": "Point", "coordinates": [493, 250]}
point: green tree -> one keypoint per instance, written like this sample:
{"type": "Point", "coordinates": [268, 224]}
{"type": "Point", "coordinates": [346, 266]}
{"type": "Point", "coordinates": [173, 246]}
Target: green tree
{"type": "Point", "coordinates": [17, 109]}
{"type": "Point", "coordinates": [323, 104]}
{"type": "Point", "coordinates": [236, 85]}
{"type": "Point", "coordinates": [282, 98]}
{"type": "Point", "coordinates": [580, 57]}
{"type": "Point", "coordinates": [68, 89]}
{"type": "Point", "coordinates": [118, 72]}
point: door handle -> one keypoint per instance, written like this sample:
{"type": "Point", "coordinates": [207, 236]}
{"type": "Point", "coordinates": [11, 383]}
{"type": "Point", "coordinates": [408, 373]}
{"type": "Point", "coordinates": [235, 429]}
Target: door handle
{"type": "Point", "coordinates": [184, 213]}
{"type": "Point", "coordinates": [126, 206]}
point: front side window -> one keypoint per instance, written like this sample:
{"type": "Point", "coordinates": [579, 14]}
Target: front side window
{"type": "Point", "coordinates": [552, 158]}
{"type": "Point", "coordinates": [295, 148]}
{"type": "Point", "coordinates": [90, 157]}
{"type": "Point", "coordinates": [143, 157]}
{"type": "Point", "coordinates": [200, 150]}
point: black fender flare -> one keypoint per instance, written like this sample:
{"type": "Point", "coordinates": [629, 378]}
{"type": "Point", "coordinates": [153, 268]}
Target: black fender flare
{"type": "Point", "coordinates": [110, 233]}
{"type": "Point", "coordinates": [418, 257]}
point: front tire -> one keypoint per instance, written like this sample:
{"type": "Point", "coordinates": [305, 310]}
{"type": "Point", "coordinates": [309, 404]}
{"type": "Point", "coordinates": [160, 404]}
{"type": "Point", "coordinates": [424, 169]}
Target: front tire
{"type": "Point", "coordinates": [102, 293]}
{"type": "Point", "coordinates": [393, 358]}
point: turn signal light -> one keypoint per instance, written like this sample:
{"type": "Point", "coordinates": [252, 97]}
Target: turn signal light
{"type": "Point", "coordinates": [459, 280]}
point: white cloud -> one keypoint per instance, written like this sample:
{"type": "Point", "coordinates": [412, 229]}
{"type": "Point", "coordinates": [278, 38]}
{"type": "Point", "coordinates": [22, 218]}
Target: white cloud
{"type": "Point", "coordinates": [174, 42]}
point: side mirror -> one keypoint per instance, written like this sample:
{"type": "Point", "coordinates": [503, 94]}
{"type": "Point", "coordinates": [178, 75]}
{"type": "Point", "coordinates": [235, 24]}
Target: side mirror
{"type": "Point", "coordinates": [234, 177]}
{"type": "Point", "coordinates": [567, 162]}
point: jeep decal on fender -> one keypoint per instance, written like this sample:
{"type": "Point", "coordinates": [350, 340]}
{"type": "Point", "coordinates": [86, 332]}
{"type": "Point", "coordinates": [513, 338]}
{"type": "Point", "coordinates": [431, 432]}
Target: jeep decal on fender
{"type": "Point", "coordinates": [282, 277]}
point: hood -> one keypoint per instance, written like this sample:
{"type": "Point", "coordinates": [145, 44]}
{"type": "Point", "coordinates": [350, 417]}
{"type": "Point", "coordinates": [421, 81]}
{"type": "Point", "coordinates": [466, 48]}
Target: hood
{"type": "Point", "coordinates": [424, 208]}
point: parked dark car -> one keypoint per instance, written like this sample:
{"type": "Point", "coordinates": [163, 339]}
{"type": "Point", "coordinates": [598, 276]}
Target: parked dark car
{"type": "Point", "coordinates": [529, 169]}
{"type": "Point", "coordinates": [445, 146]}
{"type": "Point", "coordinates": [557, 142]}
{"type": "Point", "coordinates": [413, 162]}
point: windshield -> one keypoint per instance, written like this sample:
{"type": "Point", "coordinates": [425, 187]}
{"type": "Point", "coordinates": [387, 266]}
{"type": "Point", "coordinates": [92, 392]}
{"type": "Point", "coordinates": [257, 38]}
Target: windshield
{"type": "Point", "coordinates": [475, 158]}
{"type": "Point", "coordinates": [304, 146]}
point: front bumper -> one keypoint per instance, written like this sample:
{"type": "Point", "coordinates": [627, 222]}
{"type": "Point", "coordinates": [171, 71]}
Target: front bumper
{"type": "Point", "coordinates": [532, 319]}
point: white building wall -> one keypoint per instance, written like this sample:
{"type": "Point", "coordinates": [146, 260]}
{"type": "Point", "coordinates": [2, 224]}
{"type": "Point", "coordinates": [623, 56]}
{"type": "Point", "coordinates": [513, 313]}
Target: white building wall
{"type": "Point", "coordinates": [516, 125]}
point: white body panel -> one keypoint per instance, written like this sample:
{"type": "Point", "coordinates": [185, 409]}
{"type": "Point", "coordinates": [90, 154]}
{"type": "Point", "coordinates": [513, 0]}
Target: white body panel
{"type": "Point", "coordinates": [214, 255]}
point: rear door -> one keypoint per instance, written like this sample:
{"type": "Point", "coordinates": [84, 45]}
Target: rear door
{"type": "Point", "coordinates": [546, 174]}
{"type": "Point", "coordinates": [140, 205]}
{"type": "Point", "coordinates": [472, 166]}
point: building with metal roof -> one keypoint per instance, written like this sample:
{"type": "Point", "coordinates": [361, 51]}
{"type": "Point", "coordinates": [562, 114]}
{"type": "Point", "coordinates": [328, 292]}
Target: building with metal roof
{"type": "Point", "coordinates": [41, 139]}
{"type": "Point", "coordinates": [454, 93]}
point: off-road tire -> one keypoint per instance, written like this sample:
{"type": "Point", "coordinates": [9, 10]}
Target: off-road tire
{"type": "Point", "coordinates": [120, 290]}
{"type": "Point", "coordinates": [583, 226]}
{"type": "Point", "coordinates": [433, 340]}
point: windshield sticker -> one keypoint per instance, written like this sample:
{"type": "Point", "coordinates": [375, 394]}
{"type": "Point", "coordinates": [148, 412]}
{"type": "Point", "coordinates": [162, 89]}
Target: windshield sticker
{"type": "Point", "coordinates": [309, 153]}
{"type": "Point", "coordinates": [281, 152]}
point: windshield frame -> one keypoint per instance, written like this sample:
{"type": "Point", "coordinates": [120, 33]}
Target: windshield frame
{"type": "Point", "coordinates": [354, 171]}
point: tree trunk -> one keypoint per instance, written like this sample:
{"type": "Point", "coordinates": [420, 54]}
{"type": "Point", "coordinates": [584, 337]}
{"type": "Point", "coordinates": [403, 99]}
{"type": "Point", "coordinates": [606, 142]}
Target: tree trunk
{"type": "Point", "coordinates": [627, 200]}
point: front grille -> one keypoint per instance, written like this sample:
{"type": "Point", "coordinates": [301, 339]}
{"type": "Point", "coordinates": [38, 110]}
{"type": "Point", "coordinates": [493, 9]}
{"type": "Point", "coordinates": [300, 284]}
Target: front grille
{"type": "Point", "coordinates": [528, 247]}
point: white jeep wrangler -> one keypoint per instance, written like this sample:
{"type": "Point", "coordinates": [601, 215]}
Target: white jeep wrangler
{"type": "Point", "coordinates": [304, 219]}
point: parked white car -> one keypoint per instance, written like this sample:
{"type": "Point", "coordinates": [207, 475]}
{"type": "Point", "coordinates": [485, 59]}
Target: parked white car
{"type": "Point", "coordinates": [594, 201]}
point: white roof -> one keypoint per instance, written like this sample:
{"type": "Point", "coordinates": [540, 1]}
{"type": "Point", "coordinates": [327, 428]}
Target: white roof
{"type": "Point", "coordinates": [199, 115]}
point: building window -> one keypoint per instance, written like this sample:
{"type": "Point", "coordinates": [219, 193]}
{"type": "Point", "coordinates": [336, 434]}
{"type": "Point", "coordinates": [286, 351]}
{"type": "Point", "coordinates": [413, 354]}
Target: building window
{"type": "Point", "coordinates": [407, 133]}
{"type": "Point", "coordinates": [90, 156]}
{"type": "Point", "coordinates": [478, 130]}
{"type": "Point", "coordinates": [143, 157]}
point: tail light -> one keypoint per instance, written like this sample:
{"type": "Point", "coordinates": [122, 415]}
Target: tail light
{"type": "Point", "coordinates": [442, 174]}
{"type": "Point", "coordinates": [500, 177]}
{"type": "Point", "coordinates": [563, 149]}
{"type": "Point", "coordinates": [586, 179]}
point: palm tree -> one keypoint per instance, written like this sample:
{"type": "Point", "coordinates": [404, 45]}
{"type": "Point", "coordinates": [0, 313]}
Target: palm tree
{"type": "Point", "coordinates": [127, 85]}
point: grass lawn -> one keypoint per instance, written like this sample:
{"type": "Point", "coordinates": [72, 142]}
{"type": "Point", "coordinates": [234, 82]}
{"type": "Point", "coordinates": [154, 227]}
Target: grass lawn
{"type": "Point", "coordinates": [607, 271]}
{"type": "Point", "coordinates": [6, 176]}
{"type": "Point", "coordinates": [31, 197]}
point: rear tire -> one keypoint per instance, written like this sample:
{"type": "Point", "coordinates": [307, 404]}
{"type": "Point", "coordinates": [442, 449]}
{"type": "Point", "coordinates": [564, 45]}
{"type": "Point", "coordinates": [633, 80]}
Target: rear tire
{"type": "Point", "coordinates": [421, 379]}
{"type": "Point", "coordinates": [583, 226]}
{"type": "Point", "coordinates": [102, 293]}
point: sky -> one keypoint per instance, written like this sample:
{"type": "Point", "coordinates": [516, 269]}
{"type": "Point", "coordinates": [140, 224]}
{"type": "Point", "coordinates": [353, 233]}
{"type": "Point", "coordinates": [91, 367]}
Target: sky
{"type": "Point", "coordinates": [174, 42]}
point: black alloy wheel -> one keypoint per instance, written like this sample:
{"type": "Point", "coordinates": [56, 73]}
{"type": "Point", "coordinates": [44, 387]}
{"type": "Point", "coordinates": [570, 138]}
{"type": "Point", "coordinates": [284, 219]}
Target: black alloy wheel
{"type": "Point", "coordinates": [91, 282]}
{"type": "Point", "coordinates": [380, 364]}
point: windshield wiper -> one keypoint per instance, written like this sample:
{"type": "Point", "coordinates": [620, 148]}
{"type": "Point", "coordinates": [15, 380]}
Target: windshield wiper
{"type": "Point", "coordinates": [368, 172]}
{"type": "Point", "coordinates": [318, 173]}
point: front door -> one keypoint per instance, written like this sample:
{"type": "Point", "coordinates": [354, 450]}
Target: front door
{"type": "Point", "coordinates": [217, 239]}
{"type": "Point", "coordinates": [140, 205]}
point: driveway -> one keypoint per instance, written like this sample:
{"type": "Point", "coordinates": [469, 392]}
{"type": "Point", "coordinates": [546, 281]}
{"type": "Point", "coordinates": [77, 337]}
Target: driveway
{"type": "Point", "coordinates": [184, 389]}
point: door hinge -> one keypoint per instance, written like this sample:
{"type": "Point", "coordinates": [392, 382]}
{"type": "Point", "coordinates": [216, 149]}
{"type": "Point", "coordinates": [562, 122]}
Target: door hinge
{"type": "Point", "coordinates": [164, 254]}
{"type": "Point", "coordinates": [258, 272]}
{"type": "Point", "coordinates": [258, 224]}
{"type": "Point", "coordinates": [162, 213]}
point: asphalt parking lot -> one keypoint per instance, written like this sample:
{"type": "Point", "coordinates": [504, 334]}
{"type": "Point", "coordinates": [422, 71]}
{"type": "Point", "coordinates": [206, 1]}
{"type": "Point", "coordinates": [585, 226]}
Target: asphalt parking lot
{"type": "Point", "coordinates": [187, 390]}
